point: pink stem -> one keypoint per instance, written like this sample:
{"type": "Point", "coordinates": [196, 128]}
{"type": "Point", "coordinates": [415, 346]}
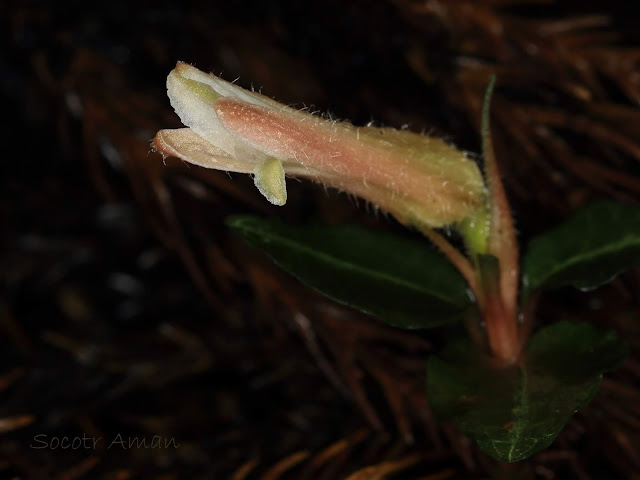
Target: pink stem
{"type": "Point", "coordinates": [501, 322]}
{"type": "Point", "coordinates": [455, 257]}
{"type": "Point", "coordinates": [502, 236]}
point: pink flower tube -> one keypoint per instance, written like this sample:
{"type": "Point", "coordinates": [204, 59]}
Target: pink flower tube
{"type": "Point", "coordinates": [420, 180]}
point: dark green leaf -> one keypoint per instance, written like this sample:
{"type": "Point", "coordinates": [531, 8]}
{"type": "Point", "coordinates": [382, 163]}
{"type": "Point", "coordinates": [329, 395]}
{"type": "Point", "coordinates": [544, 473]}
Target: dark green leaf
{"type": "Point", "coordinates": [405, 283]}
{"type": "Point", "coordinates": [591, 248]}
{"type": "Point", "coordinates": [576, 351]}
{"type": "Point", "coordinates": [515, 412]}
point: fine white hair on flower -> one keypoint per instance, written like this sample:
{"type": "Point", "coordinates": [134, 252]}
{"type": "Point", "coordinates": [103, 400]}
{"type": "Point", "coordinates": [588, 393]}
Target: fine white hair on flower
{"type": "Point", "coordinates": [421, 180]}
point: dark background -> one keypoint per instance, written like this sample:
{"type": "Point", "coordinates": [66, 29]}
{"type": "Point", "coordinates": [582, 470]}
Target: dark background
{"type": "Point", "coordinates": [127, 307]}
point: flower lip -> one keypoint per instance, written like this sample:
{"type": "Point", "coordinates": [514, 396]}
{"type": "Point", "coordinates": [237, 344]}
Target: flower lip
{"type": "Point", "coordinates": [184, 143]}
{"type": "Point", "coordinates": [219, 86]}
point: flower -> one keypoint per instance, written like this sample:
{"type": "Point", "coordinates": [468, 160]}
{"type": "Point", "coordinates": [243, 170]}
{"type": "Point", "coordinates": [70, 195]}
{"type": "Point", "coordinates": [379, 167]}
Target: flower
{"type": "Point", "coordinates": [420, 180]}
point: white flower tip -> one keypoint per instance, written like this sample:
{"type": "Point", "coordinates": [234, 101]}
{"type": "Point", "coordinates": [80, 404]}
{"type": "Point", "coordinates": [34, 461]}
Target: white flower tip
{"type": "Point", "coordinates": [182, 83]}
{"type": "Point", "coordinates": [209, 87]}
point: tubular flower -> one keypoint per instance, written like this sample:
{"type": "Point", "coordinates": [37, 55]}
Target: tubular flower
{"type": "Point", "coordinates": [420, 180]}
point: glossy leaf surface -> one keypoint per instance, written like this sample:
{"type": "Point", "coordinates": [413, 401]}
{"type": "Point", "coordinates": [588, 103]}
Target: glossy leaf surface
{"type": "Point", "coordinates": [403, 282]}
{"type": "Point", "coordinates": [597, 243]}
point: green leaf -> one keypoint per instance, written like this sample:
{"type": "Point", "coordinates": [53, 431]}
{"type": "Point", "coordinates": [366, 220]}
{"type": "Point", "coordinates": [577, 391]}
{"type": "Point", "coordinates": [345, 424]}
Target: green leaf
{"type": "Point", "coordinates": [600, 241]}
{"type": "Point", "coordinates": [515, 412]}
{"type": "Point", "coordinates": [405, 283]}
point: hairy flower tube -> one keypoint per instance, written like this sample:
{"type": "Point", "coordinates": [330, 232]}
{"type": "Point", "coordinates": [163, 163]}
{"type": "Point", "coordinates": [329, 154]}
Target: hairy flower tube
{"type": "Point", "coordinates": [420, 180]}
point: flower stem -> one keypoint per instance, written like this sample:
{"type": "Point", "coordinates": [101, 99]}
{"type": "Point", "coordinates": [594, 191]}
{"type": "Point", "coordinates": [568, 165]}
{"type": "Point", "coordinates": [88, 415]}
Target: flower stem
{"type": "Point", "coordinates": [501, 324]}
{"type": "Point", "coordinates": [454, 256]}
{"type": "Point", "coordinates": [502, 331]}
